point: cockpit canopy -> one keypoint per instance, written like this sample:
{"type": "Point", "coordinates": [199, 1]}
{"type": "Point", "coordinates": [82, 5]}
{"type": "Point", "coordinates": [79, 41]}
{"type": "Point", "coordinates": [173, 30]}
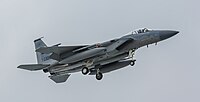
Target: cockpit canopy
{"type": "Point", "coordinates": [142, 30]}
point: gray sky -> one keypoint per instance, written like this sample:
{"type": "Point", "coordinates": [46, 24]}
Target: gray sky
{"type": "Point", "coordinates": [168, 72]}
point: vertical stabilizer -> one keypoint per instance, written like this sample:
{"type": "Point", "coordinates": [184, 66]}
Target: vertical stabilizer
{"type": "Point", "coordinates": [41, 57]}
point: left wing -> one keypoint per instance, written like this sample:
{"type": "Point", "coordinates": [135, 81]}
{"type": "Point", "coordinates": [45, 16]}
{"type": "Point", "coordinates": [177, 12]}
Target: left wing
{"type": "Point", "coordinates": [33, 67]}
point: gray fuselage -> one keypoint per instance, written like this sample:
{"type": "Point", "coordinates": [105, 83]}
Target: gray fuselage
{"type": "Point", "coordinates": [111, 51]}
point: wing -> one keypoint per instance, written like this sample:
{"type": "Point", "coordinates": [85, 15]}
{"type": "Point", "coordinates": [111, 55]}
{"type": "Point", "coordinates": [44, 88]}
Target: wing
{"type": "Point", "coordinates": [58, 49]}
{"type": "Point", "coordinates": [60, 78]}
{"type": "Point", "coordinates": [33, 67]}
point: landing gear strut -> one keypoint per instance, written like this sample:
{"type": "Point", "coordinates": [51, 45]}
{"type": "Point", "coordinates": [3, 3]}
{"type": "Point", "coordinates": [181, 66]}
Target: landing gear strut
{"type": "Point", "coordinates": [85, 70]}
{"type": "Point", "coordinates": [99, 75]}
{"type": "Point", "coordinates": [131, 55]}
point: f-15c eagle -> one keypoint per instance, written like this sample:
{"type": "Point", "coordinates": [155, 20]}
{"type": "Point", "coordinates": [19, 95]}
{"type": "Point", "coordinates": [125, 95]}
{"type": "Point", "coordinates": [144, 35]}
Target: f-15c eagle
{"type": "Point", "coordinates": [95, 59]}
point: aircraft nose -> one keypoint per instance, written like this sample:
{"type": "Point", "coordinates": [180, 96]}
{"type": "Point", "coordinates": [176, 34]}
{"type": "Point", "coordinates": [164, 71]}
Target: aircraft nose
{"type": "Point", "coordinates": [167, 34]}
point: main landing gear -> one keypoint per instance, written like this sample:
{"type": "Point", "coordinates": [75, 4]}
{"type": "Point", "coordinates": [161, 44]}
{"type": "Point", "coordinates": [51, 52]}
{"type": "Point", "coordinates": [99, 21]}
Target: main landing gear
{"type": "Point", "coordinates": [85, 71]}
{"type": "Point", "coordinates": [131, 55]}
{"type": "Point", "coordinates": [99, 75]}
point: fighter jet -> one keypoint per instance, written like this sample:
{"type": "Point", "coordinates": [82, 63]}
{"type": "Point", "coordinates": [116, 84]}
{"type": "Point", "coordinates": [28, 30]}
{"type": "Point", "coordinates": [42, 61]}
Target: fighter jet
{"type": "Point", "coordinates": [95, 59]}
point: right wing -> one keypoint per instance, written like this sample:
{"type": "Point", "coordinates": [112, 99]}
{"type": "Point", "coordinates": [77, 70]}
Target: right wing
{"type": "Point", "coordinates": [33, 67]}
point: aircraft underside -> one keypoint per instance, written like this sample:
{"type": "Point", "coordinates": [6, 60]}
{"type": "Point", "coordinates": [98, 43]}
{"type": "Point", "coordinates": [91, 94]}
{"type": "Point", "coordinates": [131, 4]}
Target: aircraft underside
{"type": "Point", "coordinates": [97, 65]}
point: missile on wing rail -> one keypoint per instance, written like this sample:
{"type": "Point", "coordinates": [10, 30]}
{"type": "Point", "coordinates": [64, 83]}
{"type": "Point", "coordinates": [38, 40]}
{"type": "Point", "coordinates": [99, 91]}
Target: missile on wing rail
{"type": "Point", "coordinates": [66, 67]}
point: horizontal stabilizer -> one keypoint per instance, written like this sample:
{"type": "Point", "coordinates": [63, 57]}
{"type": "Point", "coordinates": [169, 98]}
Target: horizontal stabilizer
{"type": "Point", "coordinates": [60, 78]}
{"type": "Point", "coordinates": [57, 49]}
{"type": "Point", "coordinates": [33, 67]}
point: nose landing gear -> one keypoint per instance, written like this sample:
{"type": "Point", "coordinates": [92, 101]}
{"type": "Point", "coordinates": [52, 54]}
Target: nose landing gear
{"type": "Point", "coordinates": [132, 63]}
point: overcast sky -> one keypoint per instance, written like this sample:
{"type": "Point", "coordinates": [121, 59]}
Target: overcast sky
{"type": "Point", "coordinates": [168, 72]}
